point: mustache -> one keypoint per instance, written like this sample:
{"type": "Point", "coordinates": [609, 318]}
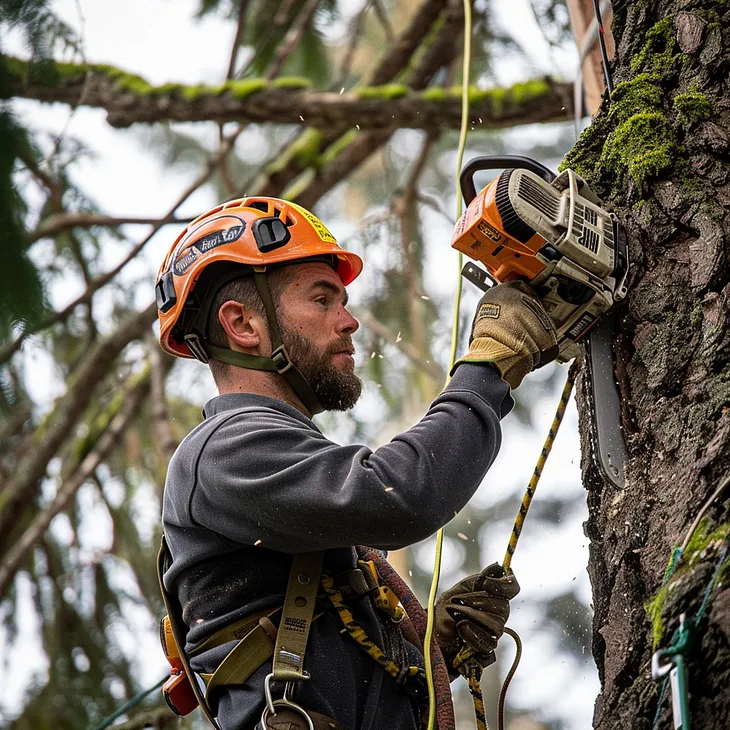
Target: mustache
{"type": "Point", "coordinates": [343, 344]}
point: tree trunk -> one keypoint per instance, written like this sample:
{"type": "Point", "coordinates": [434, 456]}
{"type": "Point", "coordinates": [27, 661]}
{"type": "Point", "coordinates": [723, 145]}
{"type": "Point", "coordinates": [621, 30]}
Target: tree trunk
{"type": "Point", "coordinates": [658, 153]}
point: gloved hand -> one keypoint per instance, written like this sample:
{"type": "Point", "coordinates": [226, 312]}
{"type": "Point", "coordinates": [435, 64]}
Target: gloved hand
{"type": "Point", "coordinates": [512, 331]}
{"type": "Point", "coordinates": [474, 612]}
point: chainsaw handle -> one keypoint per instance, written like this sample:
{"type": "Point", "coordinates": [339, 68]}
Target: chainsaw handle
{"type": "Point", "coordinates": [498, 162]}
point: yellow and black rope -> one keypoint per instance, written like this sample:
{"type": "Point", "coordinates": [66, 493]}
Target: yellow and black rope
{"type": "Point", "coordinates": [359, 635]}
{"type": "Point", "coordinates": [537, 473]}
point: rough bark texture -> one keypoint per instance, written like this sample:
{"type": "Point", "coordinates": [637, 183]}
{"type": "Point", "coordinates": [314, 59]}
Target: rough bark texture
{"type": "Point", "coordinates": [128, 100]}
{"type": "Point", "coordinates": [659, 153]}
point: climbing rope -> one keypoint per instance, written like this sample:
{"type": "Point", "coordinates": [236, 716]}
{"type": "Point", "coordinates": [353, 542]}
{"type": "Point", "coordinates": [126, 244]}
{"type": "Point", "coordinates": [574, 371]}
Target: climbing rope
{"type": "Point", "coordinates": [465, 72]}
{"type": "Point", "coordinates": [401, 674]}
{"type": "Point", "coordinates": [465, 661]}
{"type": "Point", "coordinates": [129, 705]}
{"type": "Point", "coordinates": [537, 473]}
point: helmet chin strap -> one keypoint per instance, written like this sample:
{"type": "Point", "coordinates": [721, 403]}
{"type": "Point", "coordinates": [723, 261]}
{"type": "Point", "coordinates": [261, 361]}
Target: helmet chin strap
{"type": "Point", "coordinates": [279, 360]}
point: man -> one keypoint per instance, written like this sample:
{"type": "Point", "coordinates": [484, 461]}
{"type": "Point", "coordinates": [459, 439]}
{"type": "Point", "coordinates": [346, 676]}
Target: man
{"type": "Point", "coordinates": [256, 288]}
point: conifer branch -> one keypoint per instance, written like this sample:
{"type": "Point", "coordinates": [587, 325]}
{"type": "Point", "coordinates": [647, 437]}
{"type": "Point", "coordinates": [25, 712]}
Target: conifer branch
{"type": "Point", "coordinates": [116, 421]}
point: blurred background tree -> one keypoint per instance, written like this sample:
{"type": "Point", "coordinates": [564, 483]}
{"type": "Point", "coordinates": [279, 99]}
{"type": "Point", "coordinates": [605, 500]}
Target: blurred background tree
{"type": "Point", "coordinates": [92, 409]}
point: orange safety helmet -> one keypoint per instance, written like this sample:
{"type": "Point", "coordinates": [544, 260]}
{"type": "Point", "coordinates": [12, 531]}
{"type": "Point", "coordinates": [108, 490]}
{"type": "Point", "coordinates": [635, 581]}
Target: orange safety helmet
{"type": "Point", "coordinates": [257, 231]}
{"type": "Point", "coordinates": [246, 234]}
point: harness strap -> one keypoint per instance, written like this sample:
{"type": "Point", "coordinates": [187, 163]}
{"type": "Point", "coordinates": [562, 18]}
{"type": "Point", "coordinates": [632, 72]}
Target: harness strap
{"type": "Point", "coordinates": [297, 615]}
{"type": "Point", "coordinates": [242, 661]}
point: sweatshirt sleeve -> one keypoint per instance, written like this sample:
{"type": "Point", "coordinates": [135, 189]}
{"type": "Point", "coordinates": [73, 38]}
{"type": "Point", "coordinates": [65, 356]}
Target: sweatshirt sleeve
{"type": "Point", "coordinates": [268, 479]}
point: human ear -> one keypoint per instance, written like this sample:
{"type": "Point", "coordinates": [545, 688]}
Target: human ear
{"type": "Point", "coordinates": [241, 325]}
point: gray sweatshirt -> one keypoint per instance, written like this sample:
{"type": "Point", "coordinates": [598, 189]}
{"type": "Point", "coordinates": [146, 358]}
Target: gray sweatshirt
{"type": "Point", "coordinates": [257, 481]}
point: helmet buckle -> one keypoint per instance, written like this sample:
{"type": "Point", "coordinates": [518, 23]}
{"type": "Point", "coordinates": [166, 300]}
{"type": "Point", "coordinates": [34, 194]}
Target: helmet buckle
{"type": "Point", "coordinates": [196, 347]}
{"type": "Point", "coordinates": [281, 359]}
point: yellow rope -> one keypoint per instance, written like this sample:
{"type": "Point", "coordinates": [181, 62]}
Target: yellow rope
{"type": "Point", "coordinates": [547, 447]}
{"type": "Point", "coordinates": [454, 343]}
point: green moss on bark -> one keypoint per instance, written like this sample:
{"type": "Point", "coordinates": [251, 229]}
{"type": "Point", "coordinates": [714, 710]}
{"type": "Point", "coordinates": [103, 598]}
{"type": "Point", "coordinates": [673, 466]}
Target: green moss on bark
{"type": "Point", "coordinates": [243, 88]}
{"type": "Point", "coordinates": [291, 82]}
{"type": "Point", "coordinates": [657, 55]}
{"type": "Point", "coordinates": [643, 146]}
{"type": "Point", "coordinates": [304, 151]}
{"type": "Point", "coordinates": [702, 540]}
{"type": "Point", "coordinates": [691, 108]}
{"type": "Point", "coordinates": [387, 91]}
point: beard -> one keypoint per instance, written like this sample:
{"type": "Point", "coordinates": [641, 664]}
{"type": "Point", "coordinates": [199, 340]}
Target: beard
{"type": "Point", "coordinates": [336, 390]}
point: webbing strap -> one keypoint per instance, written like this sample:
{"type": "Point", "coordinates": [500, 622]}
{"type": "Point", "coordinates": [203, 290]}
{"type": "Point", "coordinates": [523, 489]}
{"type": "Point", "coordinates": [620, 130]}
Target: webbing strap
{"type": "Point", "coordinates": [240, 359]}
{"type": "Point", "coordinates": [296, 618]}
{"type": "Point", "coordinates": [232, 632]}
{"type": "Point", "coordinates": [242, 661]}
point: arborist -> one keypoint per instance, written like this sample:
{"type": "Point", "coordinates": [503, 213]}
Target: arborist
{"type": "Point", "coordinates": [265, 518]}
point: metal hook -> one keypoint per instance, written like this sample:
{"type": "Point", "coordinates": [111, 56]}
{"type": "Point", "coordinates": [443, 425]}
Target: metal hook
{"type": "Point", "coordinates": [285, 703]}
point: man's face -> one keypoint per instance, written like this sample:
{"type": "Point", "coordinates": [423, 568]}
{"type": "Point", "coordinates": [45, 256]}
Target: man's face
{"type": "Point", "coordinates": [317, 331]}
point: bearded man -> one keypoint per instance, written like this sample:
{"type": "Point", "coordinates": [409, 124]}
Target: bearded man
{"type": "Point", "coordinates": [283, 620]}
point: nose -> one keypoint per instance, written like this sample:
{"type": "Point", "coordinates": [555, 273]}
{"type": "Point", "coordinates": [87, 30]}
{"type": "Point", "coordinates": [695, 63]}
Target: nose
{"type": "Point", "coordinates": [347, 324]}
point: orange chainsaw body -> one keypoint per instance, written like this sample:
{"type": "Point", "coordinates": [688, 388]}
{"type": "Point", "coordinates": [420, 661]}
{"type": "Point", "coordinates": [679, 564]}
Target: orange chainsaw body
{"type": "Point", "coordinates": [477, 236]}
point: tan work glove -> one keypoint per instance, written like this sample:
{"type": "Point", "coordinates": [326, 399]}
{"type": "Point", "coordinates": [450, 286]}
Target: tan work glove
{"type": "Point", "coordinates": [512, 331]}
{"type": "Point", "coordinates": [473, 613]}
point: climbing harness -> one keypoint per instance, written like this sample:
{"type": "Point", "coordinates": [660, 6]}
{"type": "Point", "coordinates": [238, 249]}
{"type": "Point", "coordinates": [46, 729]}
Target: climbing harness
{"type": "Point", "coordinates": [258, 639]}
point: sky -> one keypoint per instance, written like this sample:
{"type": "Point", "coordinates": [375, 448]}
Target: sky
{"type": "Point", "coordinates": [160, 40]}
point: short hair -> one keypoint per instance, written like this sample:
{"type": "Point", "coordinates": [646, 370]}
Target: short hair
{"type": "Point", "coordinates": [242, 290]}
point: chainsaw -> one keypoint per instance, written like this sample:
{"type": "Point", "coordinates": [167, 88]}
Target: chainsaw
{"type": "Point", "coordinates": [553, 233]}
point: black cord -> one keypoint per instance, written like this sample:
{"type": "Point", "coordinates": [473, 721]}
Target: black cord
{"type": "Point", "coordinates": [602, 43]}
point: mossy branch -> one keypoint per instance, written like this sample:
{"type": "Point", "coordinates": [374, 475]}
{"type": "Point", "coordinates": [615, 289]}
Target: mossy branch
{"type": "Point", "coordinates": [129, 99]}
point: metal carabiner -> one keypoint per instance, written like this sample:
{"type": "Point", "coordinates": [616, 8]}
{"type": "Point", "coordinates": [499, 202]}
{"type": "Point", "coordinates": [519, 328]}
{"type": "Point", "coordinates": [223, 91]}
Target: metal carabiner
{"type": "Point", "coordinates": [285, 703]}
{"type": "Point", "coordinates": [658, 670]}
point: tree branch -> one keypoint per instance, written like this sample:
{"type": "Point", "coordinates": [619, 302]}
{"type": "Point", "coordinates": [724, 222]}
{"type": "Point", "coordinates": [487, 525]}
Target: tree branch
{"type": "Point", "coordinates": [412, 353]}
{"type": "Point", "coordinates": [440, 52]}
{"type": "Point", "coordinates": [60, 222]}
{"type": "Point", "coordinates": [255, 100]}
{"type": "Point", "coordinates": [120, 414]}
{"type": "Point", "coordinates": [242, 9]}
{"type": "Point", "coordinates": [62, 420]}
{"type": "Point", "coordinates": [12, 347]}
{"type": "Point", "coordinates": [290, 163]}
{"type": "Point", "coordinates": [292, 38]}
{"type": "Point", "coordinates": [384, 20]}
{"type": "Point", "coordinates": [160, 363]}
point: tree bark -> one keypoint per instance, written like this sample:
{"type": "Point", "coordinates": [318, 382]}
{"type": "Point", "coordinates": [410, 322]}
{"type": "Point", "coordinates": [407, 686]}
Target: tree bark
{"type": "Point", "coordinates": [658, 152]}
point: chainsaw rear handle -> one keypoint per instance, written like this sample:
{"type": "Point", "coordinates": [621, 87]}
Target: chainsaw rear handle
{"type": "Point", "coordinates": [498, 162]}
